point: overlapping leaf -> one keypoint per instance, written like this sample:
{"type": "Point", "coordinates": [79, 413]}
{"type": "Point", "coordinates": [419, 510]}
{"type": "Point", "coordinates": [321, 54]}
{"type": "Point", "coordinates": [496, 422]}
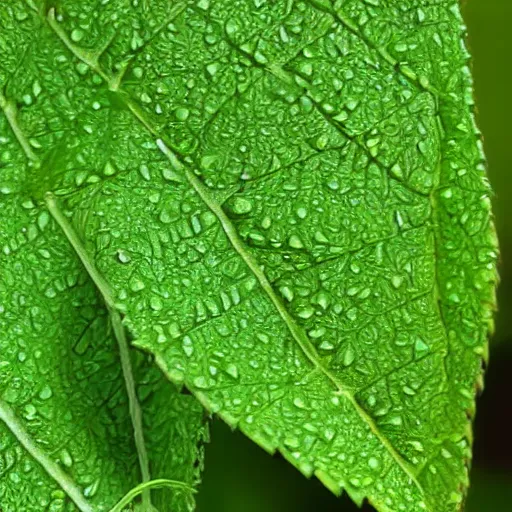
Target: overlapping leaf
{"type": "Point", "coordinates": [66, 437]}
{"type": "Point", "coordinates": [290, 203]}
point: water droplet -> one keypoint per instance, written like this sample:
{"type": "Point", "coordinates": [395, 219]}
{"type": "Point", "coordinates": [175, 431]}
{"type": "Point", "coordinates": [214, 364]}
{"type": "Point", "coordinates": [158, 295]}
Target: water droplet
{"type": "Point", "coordinates": [453, 297]}
{"type": "Point", "coordinates": [447, 194]}
{"type": "Point", "coordinates": [296, 242]}
{"type": "Point", "coordinates": [397, 281]}
{"type": "Point", "coordinates": [329, 434]}
{"type": "Point", "coordinates": [365, 293]}
{"type": "Point", "coordinates": [232, 370]}
{"type": "Point", "coordinates": [92, 489]}
{"type": "Point", "coordinates": [43, 220]}
{"type": "Point", "coordinates": [182, 114]}
{"type": "Point", "coordinates": [456, 497]}
{"type": "Point", "coordinates": [28, 204]}
{"type": "Point", "coordinates": [201, 383]}
{"type": "Point", "coordinates": [417, 446]}
{"type": "Point", "coordinates": [241, 206]}
{"type": "Point", "coordinates": [420, 347]}
{"type": "Point", "coordinates": [399, 219]}
{"type": "Point", "coordinates": [321, 238]}
{"type": "Point", "coordinates": [212, 68]}
{"type": "Point", "coordinates": [395, 420]}
{"type": "Point", "coordinates": [123, 256]}
{"type": "Point", "coordinates": [231, 27]}
{"type": "Point", "coordinates": [446, 454]}
{"type": "Point", "coordinates": [266, 223]}
{"type": "Point", "coordinates": [373, 463]}
{"type": "Point", "coordinates": [317, 333]}
{"type": "Point", "coordinates": [352, 291]}
{"type": "Point", "coordinates": [349, 356]}
{"type": "Point", "coordinates": [264, 338]}
{"type": "Point", "coordinates": [30, 412]}
{"type": "Point", "coordinates": [352, 314]}
{"type": "Point", "coordinates": [409, 391]}
{"type": "Point", "coordinates": [287, 293]}
{"type": "Point", "coordinates": [302, 212]}
{"type": "Point", "coordinates": [298, 402]}
{"type": "Point", "coordinates": [136, 285]}
{"type": "Point", "coordinates": [65, 458]}
{"type": "Point", "coordinates": [187, 345]}
{"type": "Point", "coordinates": [305, 313]}
{"type": "Point", "coordinates": [50, 293]}
{"type": "Point", "coordinates": [145, 98]}
{"type": "Point", "coordinates": [372, 401]}
{"type": "Point", "coordinates": [155, 303]}
{"type": "Point", "coordinates": [144, 172]}
{"type": "Point", "coordinates": [14, 477]}
{"type": "Point", "coordinates": [355, 482]}
{"type": "Point", "coordinates": [77, 35]}
{"type": "Point", "coordinates": [323, 300]}
{"type": "Point", "coordinates": [260, 57]}
{"type": "Point", "coordinates": [292, 442]}
{"type": "Point", "coordinates": [352, 104]}
{"type": "Point", "coordinates": [355, 268]}
{"type": "Point", "coordinates": [46, 393]}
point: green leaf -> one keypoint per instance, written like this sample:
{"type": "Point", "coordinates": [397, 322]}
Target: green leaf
{"type": "Point", "coordinates": [63, 397]}
{"type": "Point", "coordinates": [289, 201]}
{"type": "Point", "coordinates": [66, 437]}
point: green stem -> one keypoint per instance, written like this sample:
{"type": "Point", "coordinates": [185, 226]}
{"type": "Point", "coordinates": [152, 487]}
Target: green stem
{"type": "Point", "coordinates": [153, 484]}
{"type": "Point", "coordinates": [120, 334]}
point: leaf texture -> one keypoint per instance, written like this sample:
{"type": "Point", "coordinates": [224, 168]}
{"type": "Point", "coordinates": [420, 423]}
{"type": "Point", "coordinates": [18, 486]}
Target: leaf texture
{"type": "Point", "coordinates": [289, 199]}
{"type": "Point", "coordinates": [61, 376]}
{"type": "Point", "coordinates": [64, 416]}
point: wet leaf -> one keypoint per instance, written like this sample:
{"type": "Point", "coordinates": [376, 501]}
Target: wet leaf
{"type": "Point", "coordinates": [65, 431]}
{"type": "Point", "coordinates": [289, 201]}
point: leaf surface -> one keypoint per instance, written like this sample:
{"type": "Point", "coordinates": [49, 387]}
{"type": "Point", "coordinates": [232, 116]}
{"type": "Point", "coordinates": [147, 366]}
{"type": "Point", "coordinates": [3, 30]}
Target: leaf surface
{"type": "Point", "coordinates": [66, 438]}
{"type": "Point", "coordinates": [289, 199]}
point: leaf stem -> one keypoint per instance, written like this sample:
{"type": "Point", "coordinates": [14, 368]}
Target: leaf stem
{"type": "Point", "coordinates": [8, 416]}
{"type": "Point", "coordinates": [120, 334]}
{"type": "Point", "coordinates": [153, 484]}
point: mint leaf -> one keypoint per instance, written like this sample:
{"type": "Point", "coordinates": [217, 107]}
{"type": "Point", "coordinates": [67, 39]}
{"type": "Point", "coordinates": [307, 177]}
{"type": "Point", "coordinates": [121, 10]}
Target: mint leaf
{"type": "Point", "coordinates": [289, 200]}
{"type": "Point", "coordinates": [66, 437]}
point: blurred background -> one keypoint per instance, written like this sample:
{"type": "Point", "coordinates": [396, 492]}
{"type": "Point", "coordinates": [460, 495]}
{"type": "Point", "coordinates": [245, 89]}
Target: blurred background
{"type": "Point", "coordinates": [240, 477]}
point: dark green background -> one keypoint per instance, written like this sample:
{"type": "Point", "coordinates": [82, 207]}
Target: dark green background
{"type": "Point", "coordinates": [240, 477]}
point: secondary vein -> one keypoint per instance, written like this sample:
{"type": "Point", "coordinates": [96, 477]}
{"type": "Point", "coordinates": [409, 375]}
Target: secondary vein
{"type": "Point", "coordinates": [11, 114]}
{"type": "Point", "coordinates": [120, 334]}
{"type": "Point", "coordinates": [8, 416]}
